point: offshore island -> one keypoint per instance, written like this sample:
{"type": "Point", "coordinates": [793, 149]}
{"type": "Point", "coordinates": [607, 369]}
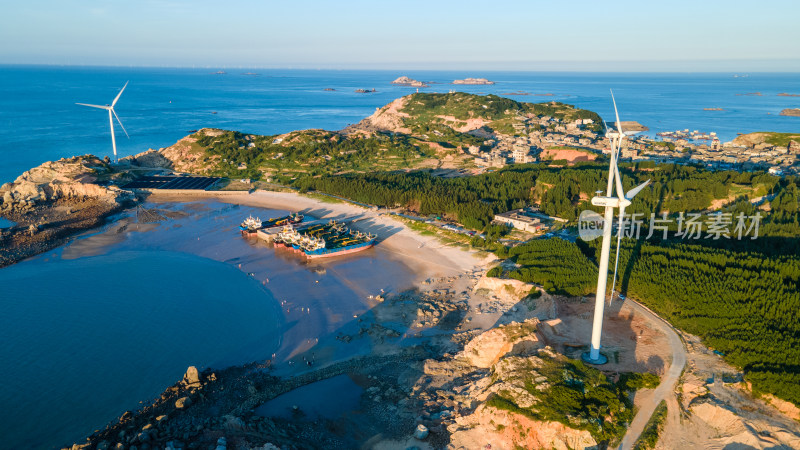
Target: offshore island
{"type": "Point", "coordinates": [481, 195]}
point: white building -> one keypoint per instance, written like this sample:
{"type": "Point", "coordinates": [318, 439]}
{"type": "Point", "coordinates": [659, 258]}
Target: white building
{"type": "Point", "coordinates": [521, 219]}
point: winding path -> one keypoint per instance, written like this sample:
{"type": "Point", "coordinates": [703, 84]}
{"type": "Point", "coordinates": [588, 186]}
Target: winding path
{"type": "Point", "coordinates": [667, 386]}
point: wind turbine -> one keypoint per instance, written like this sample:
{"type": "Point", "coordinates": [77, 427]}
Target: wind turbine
{"type": "Point", "coordinates": [111, 115]}
{"type": "Point", "coordinates": [621, 201]}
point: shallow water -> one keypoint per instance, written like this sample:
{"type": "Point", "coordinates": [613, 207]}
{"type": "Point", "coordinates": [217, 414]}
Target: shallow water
{"type": "Point", "coordinates": [86, 339]}
{"type": "Point", "coordinates": [90, 330]}
{"type": "Point", "coordinates": [328, 399]}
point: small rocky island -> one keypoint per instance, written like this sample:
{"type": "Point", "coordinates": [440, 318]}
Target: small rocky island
{"type": "Point", "coordinates": [473, 81]}
{"type": "Point", "coordinates": [406, 81]}
{"type": "Point", "coordinates": [794, 112]}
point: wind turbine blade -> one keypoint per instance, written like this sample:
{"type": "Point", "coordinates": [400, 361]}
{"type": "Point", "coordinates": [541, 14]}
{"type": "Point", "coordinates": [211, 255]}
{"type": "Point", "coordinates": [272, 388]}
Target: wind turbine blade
{"type": "Point", "coordinates": [120, 123]}
{"type": "Point", "coordinates": [619, 124]}
{"type": "Point", "coordinates": [632, 193]}
{"type": "Point", "coordinates": [619, 242]}
{"type": "Point", "coordinates": [92, 106]}
{"type": "Point", "coordinates": [120, 93]}
{"type": "Point", "coordinates": [617, 179]}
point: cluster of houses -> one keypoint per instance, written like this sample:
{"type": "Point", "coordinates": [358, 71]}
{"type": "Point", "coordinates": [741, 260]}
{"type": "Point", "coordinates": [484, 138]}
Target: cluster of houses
{"type": "Point", "coordinates": [533, 134]}
{"type": "Point", "coordinates": [778, 160]}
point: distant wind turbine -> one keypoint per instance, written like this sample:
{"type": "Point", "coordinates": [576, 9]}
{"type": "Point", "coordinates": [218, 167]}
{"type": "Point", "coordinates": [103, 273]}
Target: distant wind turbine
{"type": "Point", "coordinates": [111, 115]}
{"type": "Point", "coordinates": [621, 201]}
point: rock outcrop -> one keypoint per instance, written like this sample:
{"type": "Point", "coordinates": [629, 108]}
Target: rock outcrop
{"type": "Point", "coordinates": [150, 158]}
{"type": "Point", "coordinates": [192, 377]}
{"type": "Point", "coordinates": [67, 178]}
{"type": "Point", "coordinates": [486, 349]}
{"type": "Point", "coordinates": [794, 112]}
{"type": "Point", "coordinates": [185, 155]}
{"type": "Point", "coordinates": [406, 81]}
{"type": "Point", "coordinates": [507, 290]}
{"type": "Point", "coordinates": [388, 118]}
{"type": "Point", "coordinates": [505, 430]}
{"type": "Point", "coordinates": [761, 139]}
{"type": "Point", "coordinates": [473, 81]}
{"type": "Point", "coordinates": [739, 432]}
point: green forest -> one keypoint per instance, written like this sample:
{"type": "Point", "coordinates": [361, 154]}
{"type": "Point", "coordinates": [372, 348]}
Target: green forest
{"type": "Point", "coordinates": [740, 296]}
{"type": "Point", "coordinates": [565, 192]}
{"type": "Point", "coordinates": [745, 303]}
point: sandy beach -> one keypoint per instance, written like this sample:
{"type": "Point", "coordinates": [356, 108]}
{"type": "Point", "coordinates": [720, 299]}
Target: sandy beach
{"type": "Point", "coordinates": [375, 316]}
{"type": "Point", "coordinates": [318, 320]}
{"type": "Point", "coordinates": [424, 254]}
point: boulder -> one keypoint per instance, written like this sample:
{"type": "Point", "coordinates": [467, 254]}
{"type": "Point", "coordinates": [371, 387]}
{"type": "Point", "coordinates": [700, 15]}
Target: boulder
{"type": "Point", "coordinates": [192, 377]}
{"type": "Point", "coordinates": [233, 423]}
{"type": "Point", "coordinates": [421, 432]}
{"type": "Point", "coordinates": [222, 443]}
{"type": "Point", "coordinates": [183, 402]}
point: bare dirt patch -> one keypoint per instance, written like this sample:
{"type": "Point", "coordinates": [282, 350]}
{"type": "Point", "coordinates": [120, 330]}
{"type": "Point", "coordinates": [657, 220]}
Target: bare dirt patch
{"type": "Point", "coordinates": [572, 156]}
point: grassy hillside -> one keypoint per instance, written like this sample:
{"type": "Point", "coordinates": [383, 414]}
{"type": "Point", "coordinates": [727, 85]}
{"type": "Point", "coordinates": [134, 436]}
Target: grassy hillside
{"type": "Point", "coordinates": [320, 152]}
{"type": "Point", "coordinates": [500, 112]}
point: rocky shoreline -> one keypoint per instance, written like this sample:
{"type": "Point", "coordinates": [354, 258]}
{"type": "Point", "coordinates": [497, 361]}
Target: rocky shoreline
{"type": "Point", "coordinates": [216, 409]}
{"type": "Point", "coordinates": [44, 227]}
{"type": "Point", "coordinates": [53, 202]}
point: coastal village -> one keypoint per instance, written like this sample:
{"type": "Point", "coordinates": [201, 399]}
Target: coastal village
{"type": "Point", "coordinates": [539, 139]}
{"type": "Point", "coordinates": [464, 356]}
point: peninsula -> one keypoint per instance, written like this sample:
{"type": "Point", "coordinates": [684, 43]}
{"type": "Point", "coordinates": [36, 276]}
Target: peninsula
{"type": "Point", "coordinates": [482, 350]}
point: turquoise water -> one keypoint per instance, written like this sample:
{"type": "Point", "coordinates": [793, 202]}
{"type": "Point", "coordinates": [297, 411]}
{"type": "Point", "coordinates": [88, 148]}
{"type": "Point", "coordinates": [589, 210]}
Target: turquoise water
{"type": "Point", "coordinates": [39, 120]}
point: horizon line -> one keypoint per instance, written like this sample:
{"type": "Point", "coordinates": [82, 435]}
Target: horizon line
{"type": "Point", "coordinates": [290, 67]}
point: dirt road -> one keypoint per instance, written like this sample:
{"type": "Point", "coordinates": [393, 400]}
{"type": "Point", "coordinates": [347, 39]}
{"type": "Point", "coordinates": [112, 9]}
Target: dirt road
{"type": "Point", "coordinates": [664, 390]}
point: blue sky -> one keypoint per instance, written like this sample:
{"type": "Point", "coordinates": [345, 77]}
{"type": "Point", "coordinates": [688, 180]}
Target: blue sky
{"type": "Point", "coordinates": [678, 35]}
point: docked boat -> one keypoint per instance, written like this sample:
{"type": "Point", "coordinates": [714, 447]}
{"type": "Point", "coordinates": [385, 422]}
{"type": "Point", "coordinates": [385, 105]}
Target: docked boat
{"type": "Point", "coordinates": [252, 224]}
{"type": "Point", "coordinates": [323, 240]}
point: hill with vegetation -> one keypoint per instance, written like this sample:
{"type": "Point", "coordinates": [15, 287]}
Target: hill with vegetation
{"type": "Point", "coordinates": [767, 137]}
{"type": "Point", "coordinates": [414, 132]}
{"type": "Point", "coordinates": [740, 296]}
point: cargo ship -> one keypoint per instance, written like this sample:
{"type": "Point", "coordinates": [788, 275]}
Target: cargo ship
{"type": "Point", "coordinates": [252, 224]}
{"type": "Point", "coordinates": [324, 240]}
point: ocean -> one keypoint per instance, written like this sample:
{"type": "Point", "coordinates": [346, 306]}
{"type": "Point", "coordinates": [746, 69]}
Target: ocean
{"type": "Point", "coordinates": [39, 120]}
{"type": "Point", "coordinates": [88, 331]}
{"type": "Point", "coordinates": [92, 329]}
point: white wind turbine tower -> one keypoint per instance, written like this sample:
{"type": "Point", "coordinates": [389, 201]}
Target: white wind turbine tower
{"type": "Point", "coordinates": [621, 201]}
{"type": "Point", "coordinates": [111, 115]}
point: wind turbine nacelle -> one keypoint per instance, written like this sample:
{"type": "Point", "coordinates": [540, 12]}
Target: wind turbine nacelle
{"type": "Point", "coordinates": [608, 202]}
